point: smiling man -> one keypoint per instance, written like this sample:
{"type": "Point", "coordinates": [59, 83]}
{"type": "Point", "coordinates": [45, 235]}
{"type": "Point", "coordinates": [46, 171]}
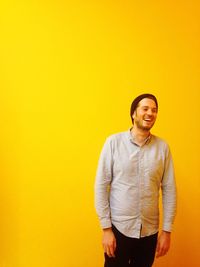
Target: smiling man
{"type": "Point", "coordinates": [133, 167]}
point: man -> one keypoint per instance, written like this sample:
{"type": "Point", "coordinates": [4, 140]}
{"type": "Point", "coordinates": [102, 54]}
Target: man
{"type": "Point", "coordinates": [132, 168]}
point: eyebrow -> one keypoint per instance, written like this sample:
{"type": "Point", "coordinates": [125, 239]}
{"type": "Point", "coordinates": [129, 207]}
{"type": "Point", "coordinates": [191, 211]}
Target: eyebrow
{"type": "Point", "coordinates": [155, 108]}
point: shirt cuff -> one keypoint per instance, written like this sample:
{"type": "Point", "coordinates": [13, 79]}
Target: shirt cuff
{"type": "Point", "coordinates": [105, 223]}
{"type": "Point", "coordinates": [167, 227]}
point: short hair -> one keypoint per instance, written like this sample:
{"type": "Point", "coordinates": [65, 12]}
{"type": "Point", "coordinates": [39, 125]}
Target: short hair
{"type": "Point", "coordinates": [136, 101]}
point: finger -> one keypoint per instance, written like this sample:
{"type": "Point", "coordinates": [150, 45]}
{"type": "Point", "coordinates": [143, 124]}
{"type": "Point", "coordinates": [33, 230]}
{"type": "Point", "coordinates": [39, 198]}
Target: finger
{"type": "Point", "coordinates": [112, 251]}
{"type": "Point", "coordinates": [161, 253]}
{"type": "Point", "coordinates": [108, 252]}
{"type": "Point", "coordinates": [115, 245]}
{"type": "Point", "coordinates": [164, 252]}
{"type": "Point", "coordinates": [158, 246]}
{"type": "Point", "coordinates": [158, 252]}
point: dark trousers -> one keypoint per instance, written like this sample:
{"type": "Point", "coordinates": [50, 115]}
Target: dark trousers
{"type": "Point", "coordinates": [132, 252]}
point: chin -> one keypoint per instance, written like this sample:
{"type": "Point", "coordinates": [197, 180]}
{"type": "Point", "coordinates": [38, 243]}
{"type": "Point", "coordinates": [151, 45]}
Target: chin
{"type": "Point", "coordinates": [146, 128]}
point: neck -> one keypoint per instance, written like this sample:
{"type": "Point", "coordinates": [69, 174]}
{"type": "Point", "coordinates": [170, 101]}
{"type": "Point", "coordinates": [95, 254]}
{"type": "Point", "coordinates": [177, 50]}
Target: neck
{"type": "Point", "coordinates": [139, 135]}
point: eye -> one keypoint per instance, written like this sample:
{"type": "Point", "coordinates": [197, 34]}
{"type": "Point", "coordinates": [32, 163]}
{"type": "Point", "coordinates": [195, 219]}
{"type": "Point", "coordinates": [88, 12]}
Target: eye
{"type": "Point", "coordinates": [154, 110]}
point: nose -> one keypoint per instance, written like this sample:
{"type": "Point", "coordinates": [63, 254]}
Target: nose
{"type": "Point", "coordinates": [149, 112]}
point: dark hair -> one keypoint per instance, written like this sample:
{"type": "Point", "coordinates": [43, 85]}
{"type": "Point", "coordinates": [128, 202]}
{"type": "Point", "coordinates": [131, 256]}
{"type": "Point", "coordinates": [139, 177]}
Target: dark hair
{"type": "Point", "coordinates": [138, 99]}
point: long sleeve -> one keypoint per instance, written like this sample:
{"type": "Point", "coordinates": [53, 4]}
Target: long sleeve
{"type": "Point", "coordinates": [103, 180]}
{"type": "Point", "coordinates": [168, 193]}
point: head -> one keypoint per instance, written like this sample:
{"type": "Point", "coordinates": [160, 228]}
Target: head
{"type": "Point", "coordinates": [143, 111]}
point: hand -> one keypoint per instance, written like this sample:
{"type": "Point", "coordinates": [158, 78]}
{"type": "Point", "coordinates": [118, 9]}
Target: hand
{"type": "Point", "coordinates": [109, 242]}
{"type": "Point", "coordinates": [163, 244]}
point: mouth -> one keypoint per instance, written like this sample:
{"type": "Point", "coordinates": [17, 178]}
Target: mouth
{"type": "Point", "coordinates": [148, 120]}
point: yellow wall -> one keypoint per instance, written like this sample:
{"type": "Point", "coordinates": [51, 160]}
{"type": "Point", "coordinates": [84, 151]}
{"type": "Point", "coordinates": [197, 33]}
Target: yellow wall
{"type": "Point", "coordinates": [69, 71]}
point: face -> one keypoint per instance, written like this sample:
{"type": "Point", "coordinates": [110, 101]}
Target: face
{"type": "Point", "coordinates": [145, 114]}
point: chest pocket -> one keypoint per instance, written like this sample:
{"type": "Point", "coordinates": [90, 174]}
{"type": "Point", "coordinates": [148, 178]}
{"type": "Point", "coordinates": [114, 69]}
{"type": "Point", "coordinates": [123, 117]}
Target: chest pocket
{"type": "Point", "coordinates": [153, 170]}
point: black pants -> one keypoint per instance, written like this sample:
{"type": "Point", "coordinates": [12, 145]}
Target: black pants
{"type": "Point", "coordinates": [132, 252]}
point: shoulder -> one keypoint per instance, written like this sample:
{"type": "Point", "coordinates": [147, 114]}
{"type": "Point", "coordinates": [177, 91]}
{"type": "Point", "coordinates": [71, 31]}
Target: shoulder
{"type": "Point", "coordinates": [113, 141]}
{"type": "Point", "coordinates": [160, 142]}
{"type": "Point", "coordinates": [117, 137]}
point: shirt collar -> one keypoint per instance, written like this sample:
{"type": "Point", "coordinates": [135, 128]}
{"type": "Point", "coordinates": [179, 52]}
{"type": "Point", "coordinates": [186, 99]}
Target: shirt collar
{"type": "Point", "coordinates": [131, 138]}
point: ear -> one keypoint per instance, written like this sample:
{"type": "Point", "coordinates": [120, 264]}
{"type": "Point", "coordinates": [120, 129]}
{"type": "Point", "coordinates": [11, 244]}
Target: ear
{"type": "Point", "coordinates": [133, 116]}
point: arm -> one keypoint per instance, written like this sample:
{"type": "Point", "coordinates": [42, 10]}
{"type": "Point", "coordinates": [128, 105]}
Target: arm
{"type": "Point", "coordinates": [169, 205]}
{"type": "Point", "coordinates": [102, 183]}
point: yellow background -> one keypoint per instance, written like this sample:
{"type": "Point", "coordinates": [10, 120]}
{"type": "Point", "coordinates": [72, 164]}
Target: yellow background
{"type": "Point", "coordinates": [69, 71]}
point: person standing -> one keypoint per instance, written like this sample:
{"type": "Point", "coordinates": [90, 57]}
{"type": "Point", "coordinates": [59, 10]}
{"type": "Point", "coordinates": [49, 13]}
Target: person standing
{"type": "Point", "coordinates": [133, 167]}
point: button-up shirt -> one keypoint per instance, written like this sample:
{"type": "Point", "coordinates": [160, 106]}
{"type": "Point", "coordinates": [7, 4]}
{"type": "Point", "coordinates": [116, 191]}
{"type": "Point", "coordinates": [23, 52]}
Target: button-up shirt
{"type": "Point", "coordinates": [128, 182]}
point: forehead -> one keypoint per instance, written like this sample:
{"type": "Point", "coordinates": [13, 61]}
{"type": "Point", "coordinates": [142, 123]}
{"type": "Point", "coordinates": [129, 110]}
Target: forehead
{"type": "Point", "coordinates": [147, 102]}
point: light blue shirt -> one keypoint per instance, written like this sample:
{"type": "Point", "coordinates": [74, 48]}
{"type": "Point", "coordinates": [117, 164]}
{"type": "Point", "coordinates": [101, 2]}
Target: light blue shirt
{"type": "Point", "coordinates": [128, 182]}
